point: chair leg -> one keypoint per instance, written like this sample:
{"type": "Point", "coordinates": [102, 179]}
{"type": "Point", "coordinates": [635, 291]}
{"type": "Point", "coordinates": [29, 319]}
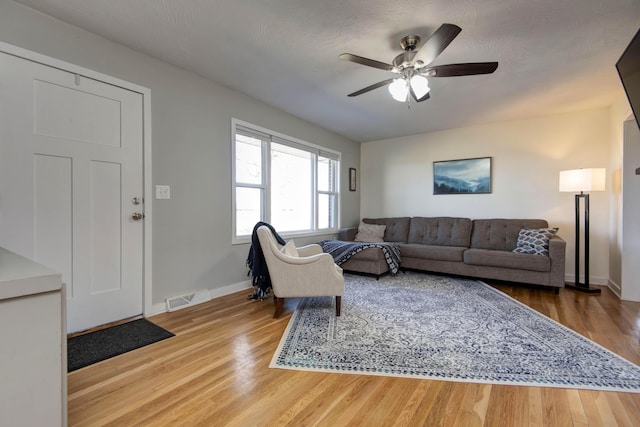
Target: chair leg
{"type": "Point", "coordinates": [338, 303]}
{"type": "Point", "coordinates": [279, 307]}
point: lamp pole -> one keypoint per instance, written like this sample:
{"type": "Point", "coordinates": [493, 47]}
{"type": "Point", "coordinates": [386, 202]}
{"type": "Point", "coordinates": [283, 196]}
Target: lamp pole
{"type": "Point", "coordinates": [582, 287]}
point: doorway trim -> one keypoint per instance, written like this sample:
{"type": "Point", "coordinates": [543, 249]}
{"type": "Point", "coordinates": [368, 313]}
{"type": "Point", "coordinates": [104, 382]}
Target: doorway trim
{"type": "Point", "coordinates": [147, 258]}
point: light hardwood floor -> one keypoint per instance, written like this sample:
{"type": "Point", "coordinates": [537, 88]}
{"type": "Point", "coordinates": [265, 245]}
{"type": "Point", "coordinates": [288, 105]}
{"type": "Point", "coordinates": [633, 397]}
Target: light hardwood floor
{"type": "Point", "coordinates": [214, 372]}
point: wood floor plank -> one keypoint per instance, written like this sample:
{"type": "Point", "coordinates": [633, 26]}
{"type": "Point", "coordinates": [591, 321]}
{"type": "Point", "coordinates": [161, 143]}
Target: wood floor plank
{"type": "Point", "coordinates": [353, 401]}
{"type": "Point", "coordinates": [215, 372]}
{"type": "Point", "coordinates": [622, 417]}
{"type": "Point", "coordinates": [556, 407]}
{"type": "Point", "coordinates": [500, 405]}
{"type": "Point", "coordinates": [604, 409]}
{"type": "Point", "coordinates": [411, 405]}
{"type": "Point", "coordinates": [480, 406]}
{"type": "Point", "coordinates": [454, 406]}
{"type": "Point", "coordinates": [520, 404]}
{"type": "Point", "coordinates": [314, 385]}
{"type": "Point", "coordinates": [394, 394]}
{"type": "Point", "coordinates": [466, 404]}
{"type": "Point", "coordinates": [428, 403]}
{"type": "Point", "coordinates": [578, 414]}
{"type": "Point", "coordinates": [438, 414]}
{"type": "Point", "coordinates": [588, 398]}
{"type": "Point", "coordinates": [536, 414]}
{"type": "Point", "coordinates": [631, 407]}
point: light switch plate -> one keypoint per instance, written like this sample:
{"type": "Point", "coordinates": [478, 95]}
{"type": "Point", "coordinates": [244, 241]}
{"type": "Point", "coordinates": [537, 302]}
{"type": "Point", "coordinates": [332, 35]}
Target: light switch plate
{"type": "Point", "coordinates": [163, 192]}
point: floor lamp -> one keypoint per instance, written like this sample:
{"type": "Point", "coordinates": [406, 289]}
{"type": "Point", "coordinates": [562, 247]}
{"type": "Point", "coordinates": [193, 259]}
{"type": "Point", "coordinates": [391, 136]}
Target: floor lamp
{"type": "Point", "coordinates": [582, 180]}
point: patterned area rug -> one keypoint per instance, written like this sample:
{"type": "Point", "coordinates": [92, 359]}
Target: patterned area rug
{"type": "Point", "coordinates": [436, 327]}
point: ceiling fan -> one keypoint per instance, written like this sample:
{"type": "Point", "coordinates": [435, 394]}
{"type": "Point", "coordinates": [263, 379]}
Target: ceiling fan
{"type": "Point", "coordinates": [412, 66]}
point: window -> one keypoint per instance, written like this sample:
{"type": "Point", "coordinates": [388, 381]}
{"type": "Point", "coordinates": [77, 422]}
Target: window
{"type": "Point", "coordinates": [291, 184]}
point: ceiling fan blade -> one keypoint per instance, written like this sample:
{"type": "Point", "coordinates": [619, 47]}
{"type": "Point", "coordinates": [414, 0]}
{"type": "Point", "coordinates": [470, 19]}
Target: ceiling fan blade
{"type": "Point", "coordinates": [413, 95]}
{"type": "Point", "coordinates": [437, 43]}
{"type": "Point", "coordinates": [372, 87]}
{"type": "Point", "coordinates": [453, 70]}
{"type": "Point", "coordinates": [366, 61]}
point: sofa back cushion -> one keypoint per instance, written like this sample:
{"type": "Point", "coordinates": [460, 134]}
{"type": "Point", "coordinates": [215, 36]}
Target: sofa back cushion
{"type": "Point", "coordinates": [370, 233]}
{"type": "Point", "coordinates": [441, 231]}
{"type": "Point", "coordinates": [397, 228]}
{"type": "Point", "coordinates": [501, 234]}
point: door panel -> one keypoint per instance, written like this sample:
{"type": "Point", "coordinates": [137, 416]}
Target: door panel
{"type": "Point", "coordinates": [83, 117]}
{"type": "Point", "coordinates": [106, 222]}
{"type": "Point", "coordinates": [70, 165]}
{"type": "Point", "coordinates": [53, 216]}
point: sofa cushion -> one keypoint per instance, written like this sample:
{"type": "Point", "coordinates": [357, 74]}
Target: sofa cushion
{"type": "Point", "coordinates": [432, 252]}
{"type": "Point", "coordinates": [369, 254]}
{"type": "Point", "coordinates": [506, 259]}
{"type": "Point", "coordinates": [370, 233]}
{"type": "Point", "coordinates": [397, 228]}
{"type": "Point", "coordinates": [290, 249]}
{"type": "Point", "coordinates": [440, 231]}
{"type": "Point", "coordinates": [347, 234]}
{"type": "Point", "coordinates": [501, 234]}
{"type": "Point", "coordinates": [534, 241]}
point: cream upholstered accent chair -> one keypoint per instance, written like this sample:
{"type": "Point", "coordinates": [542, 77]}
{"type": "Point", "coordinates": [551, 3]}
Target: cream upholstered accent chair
{"type": "Point", "coordinates": [300, 272]}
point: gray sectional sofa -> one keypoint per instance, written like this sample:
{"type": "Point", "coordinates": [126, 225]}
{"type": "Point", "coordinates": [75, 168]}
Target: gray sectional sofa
{"type": "Point", "coordinates": [479, 248]}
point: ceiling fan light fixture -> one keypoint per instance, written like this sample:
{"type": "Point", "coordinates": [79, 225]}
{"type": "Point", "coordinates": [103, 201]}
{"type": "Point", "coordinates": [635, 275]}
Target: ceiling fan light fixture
{"type": "Point", "coordinates": [399, 90]}
{"type": "Point", "coordinates": [420, 85]}
{"type": "Point", "coordinates": [413, 66]}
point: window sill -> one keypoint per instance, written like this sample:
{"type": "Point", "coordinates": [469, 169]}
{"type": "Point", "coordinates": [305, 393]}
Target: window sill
{"type": "Point", "coordinates": [288, 235]}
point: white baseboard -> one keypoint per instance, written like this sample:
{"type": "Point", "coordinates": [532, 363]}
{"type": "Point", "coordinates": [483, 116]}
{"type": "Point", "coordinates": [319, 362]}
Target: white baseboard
{"type": "Point", "coordinates": [156, 309]}
{"type": "Point", "coordinates": [215, 293]}
{"type": "Point", "coordinates": [615, 288]}
{"type": "Point", "coordinates": [187, 300]}
{"type": "Point", "coordinates": [230, 289]}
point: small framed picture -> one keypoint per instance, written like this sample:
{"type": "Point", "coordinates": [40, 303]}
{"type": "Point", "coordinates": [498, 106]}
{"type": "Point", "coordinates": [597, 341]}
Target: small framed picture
{"type": "Point", "coordinates": [465, 176]}
{"type": "Point", "coordinates": [352, 179]}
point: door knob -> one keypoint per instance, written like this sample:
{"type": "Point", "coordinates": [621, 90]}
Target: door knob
{"type": "Point", "coordinates": [137, 216]}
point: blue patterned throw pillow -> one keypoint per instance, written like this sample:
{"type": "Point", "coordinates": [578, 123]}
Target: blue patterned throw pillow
{"type": "Point", "coordinates": [534, 241]}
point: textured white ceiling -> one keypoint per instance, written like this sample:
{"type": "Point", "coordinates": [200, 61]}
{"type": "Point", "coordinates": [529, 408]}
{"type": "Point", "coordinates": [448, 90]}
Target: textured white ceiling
{"type": "Point", "coordinates": [555, 55]}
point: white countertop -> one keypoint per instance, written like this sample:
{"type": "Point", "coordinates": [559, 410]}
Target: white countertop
{"type": "Point", "coordinates": [20, 276]}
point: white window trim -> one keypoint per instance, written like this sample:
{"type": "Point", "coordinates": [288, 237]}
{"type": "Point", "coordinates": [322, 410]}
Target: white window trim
{"type": "Point", "coordinates": [322, 151]}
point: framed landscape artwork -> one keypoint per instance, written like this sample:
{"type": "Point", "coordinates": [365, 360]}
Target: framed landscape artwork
{"type": "Point", "coordinates": [465, 176]}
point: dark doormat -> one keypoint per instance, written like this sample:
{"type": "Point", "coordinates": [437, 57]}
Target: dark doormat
{"type": "Point", "coordinates": [87, 349]}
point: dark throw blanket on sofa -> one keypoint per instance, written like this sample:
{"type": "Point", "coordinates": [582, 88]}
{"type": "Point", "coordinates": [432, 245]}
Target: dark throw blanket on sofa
{"type": "Point", "coordinates": [341, 251]}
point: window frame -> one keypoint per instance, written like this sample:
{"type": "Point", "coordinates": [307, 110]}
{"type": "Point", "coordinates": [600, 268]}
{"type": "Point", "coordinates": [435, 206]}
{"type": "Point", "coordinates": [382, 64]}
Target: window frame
{"type": "Point", "coordinates": [268, 137]}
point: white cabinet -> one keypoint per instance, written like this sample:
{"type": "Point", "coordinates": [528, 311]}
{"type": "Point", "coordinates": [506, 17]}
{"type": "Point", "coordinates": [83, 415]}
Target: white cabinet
{"type": "Point", "coordinates": [33, 346]}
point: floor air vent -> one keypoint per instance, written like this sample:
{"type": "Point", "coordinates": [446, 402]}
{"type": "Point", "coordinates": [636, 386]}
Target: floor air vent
{"type": "Point", "coordinates": [187, 300]}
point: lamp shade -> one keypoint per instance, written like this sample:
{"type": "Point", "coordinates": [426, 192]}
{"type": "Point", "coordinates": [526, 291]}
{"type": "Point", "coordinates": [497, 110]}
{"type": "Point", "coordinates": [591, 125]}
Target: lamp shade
{"type": "Point", "coordinates": [399, 90]}
{"type": "Point", "coordinates": [590, 179]}
{"type": "Point", "coordinates": [420, 85]}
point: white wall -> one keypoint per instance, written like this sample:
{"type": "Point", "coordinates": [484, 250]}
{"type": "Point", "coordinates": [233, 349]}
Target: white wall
{"type": "Point", "coordinates": [631, 207]}
{"type": "Point", "coordinates": [620, 111]}
{"type": "Point", "coordinates": [397, 175]}
{"type": "Point", "coordinates": [191, 128]}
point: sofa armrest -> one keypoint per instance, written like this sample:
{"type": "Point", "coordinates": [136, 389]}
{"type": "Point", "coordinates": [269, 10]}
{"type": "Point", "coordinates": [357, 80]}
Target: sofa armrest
{"type": "Point", "coordinates": [347, 234]}
{"type": "Point", "coordinates": [557, 248]}
{"type": "Point", "coordinates": [309, 250]}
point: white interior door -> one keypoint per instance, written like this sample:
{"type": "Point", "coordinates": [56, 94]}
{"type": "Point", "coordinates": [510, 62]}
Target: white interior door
{"type": "Point", "coordinates": [70, 174]}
